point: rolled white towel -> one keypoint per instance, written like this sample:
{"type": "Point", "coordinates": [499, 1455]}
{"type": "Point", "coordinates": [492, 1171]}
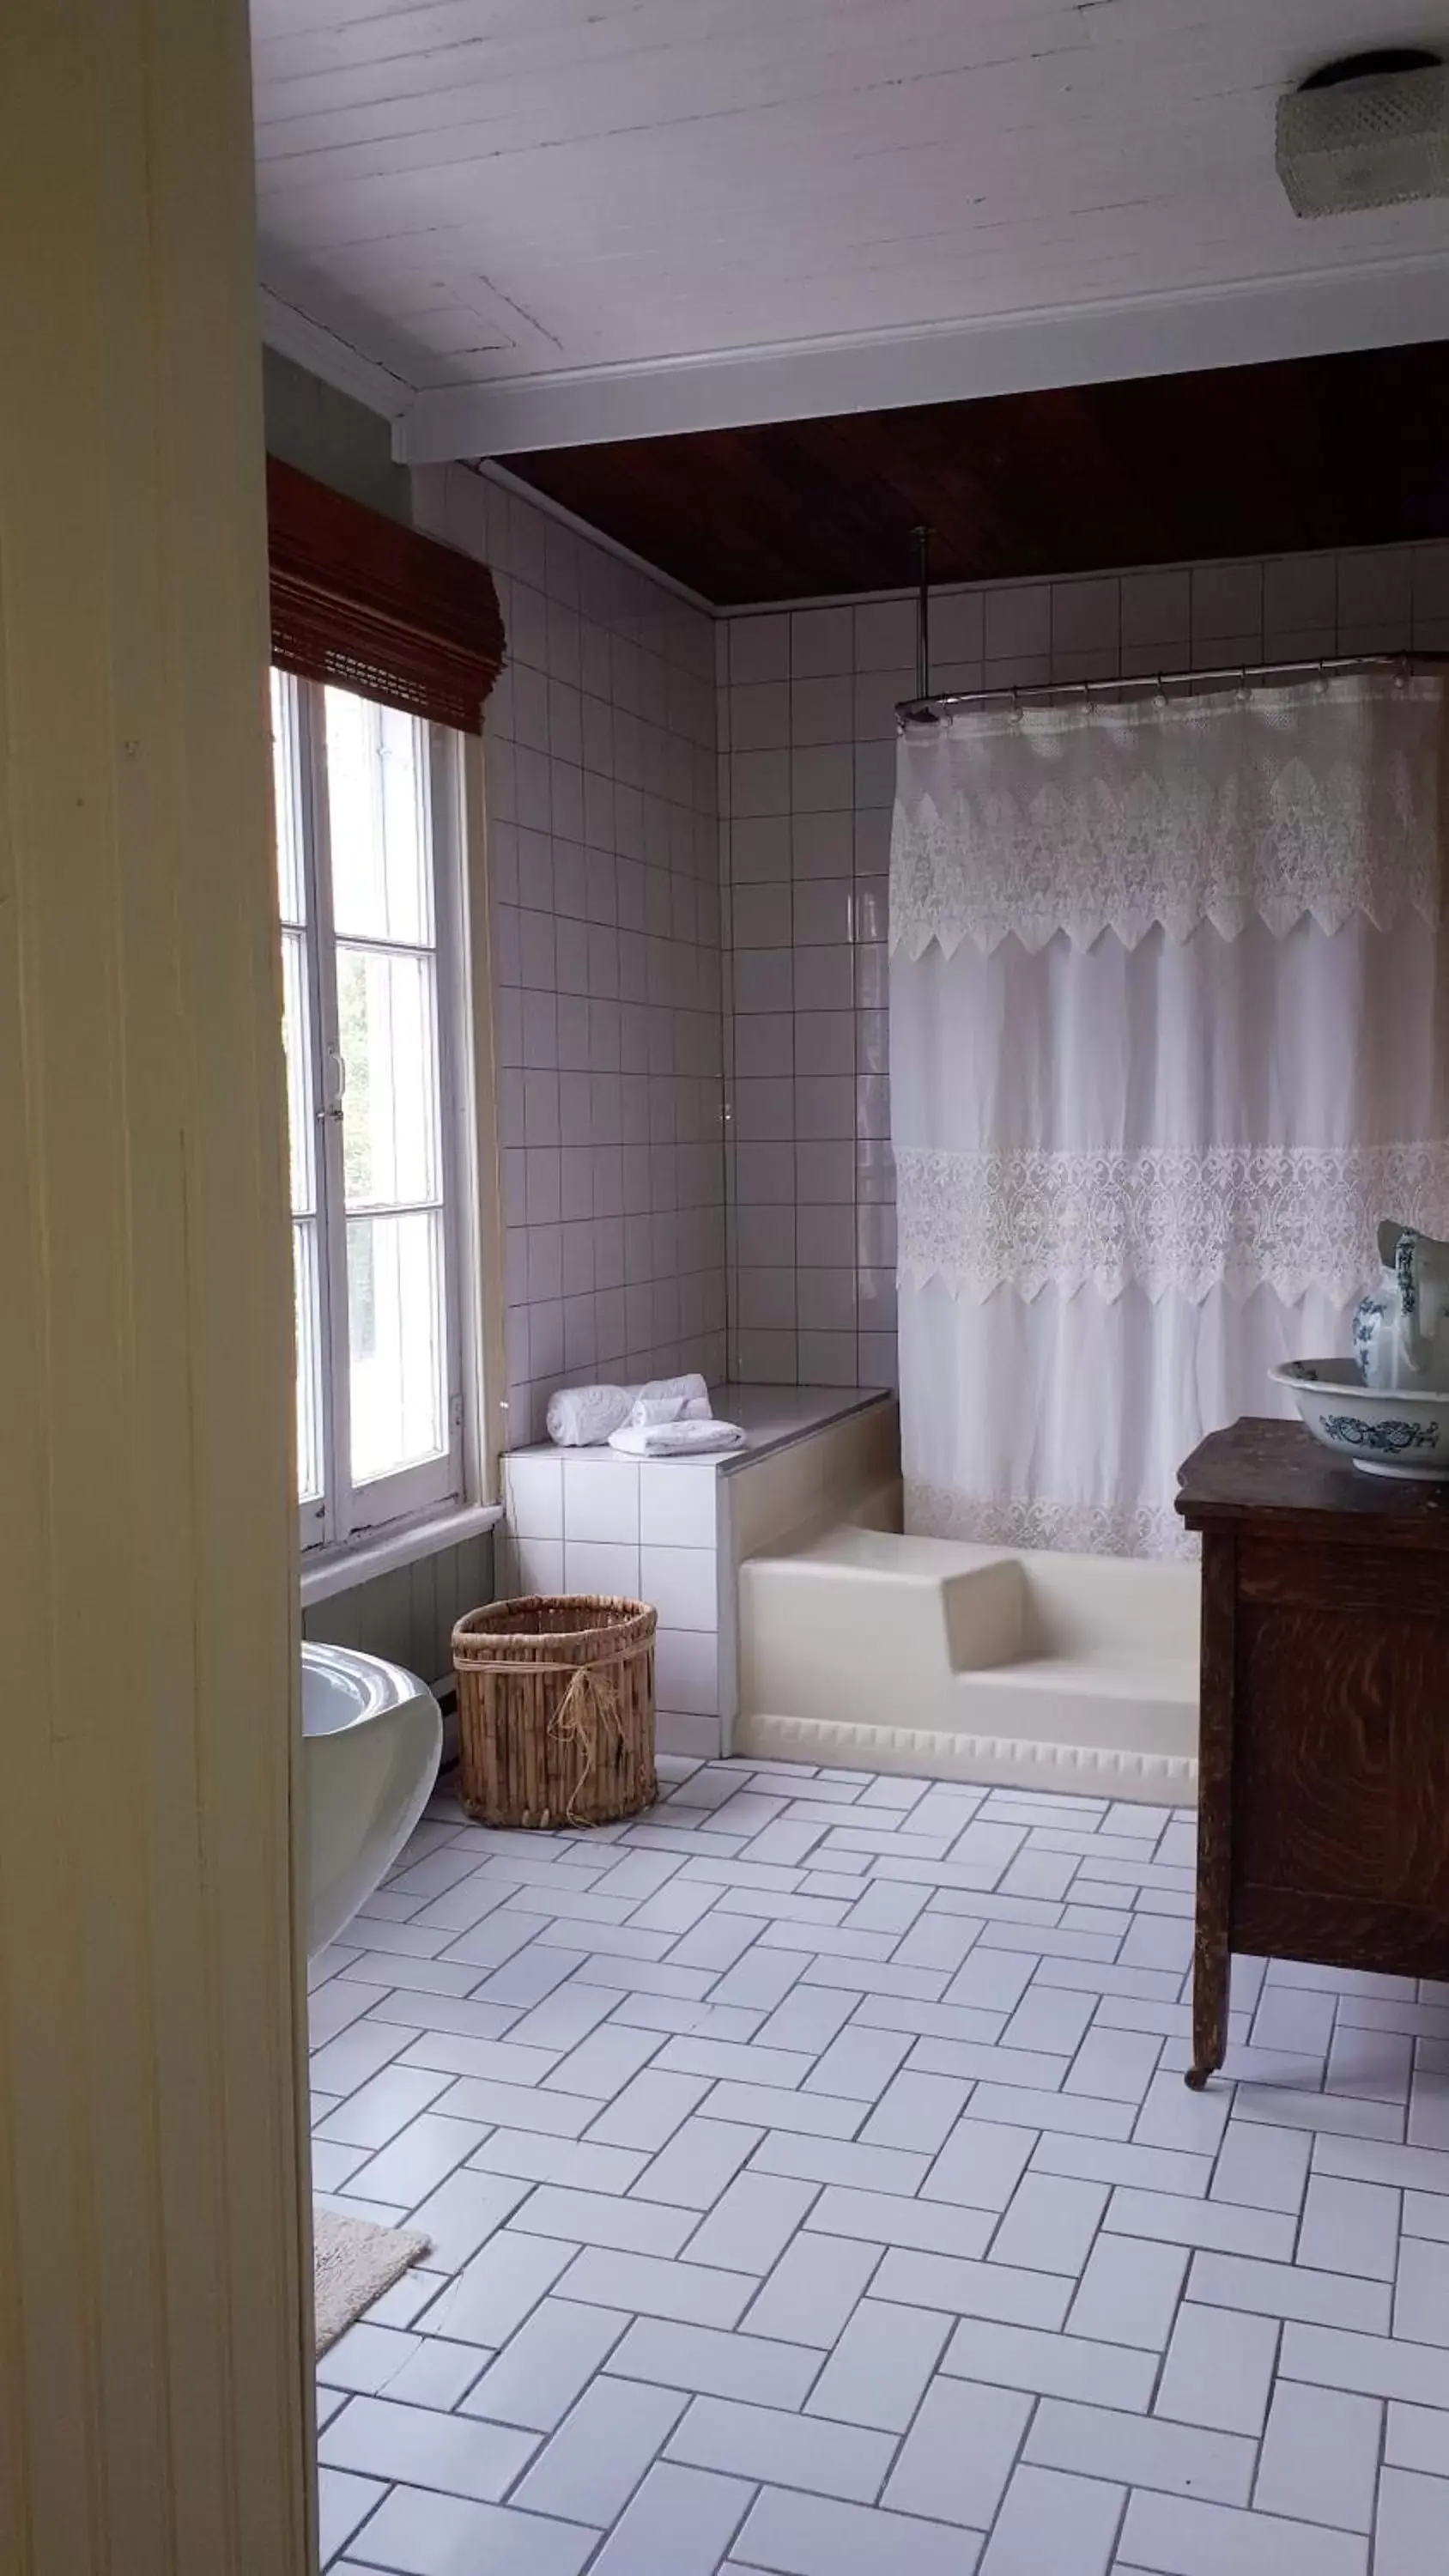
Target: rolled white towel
{"type": "Point", "coordinates": [579, 1417]}
{"type": "Point", "coordinates": [691, 1389]}
{"type": "Point", "coordinates": [676, 1439]}
{"type": "Point", "coordinates": [650, 1410]}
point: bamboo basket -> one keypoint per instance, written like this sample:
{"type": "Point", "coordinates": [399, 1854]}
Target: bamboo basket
{"type": "Point", "coordinates": [556, 1710]}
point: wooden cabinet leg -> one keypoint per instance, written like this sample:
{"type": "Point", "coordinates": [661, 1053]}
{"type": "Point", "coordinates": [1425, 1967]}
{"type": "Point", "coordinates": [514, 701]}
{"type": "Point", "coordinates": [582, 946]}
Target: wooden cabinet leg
{"type": "Point", "coordinates": [1211, 1971]}
{"type": "Point", "coordinates": [1213, 1937]}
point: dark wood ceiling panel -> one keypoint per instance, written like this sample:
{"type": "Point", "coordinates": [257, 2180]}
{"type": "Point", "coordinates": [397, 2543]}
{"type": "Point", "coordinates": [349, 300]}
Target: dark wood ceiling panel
{"type": "Point", "coordinates": [1350, 450]}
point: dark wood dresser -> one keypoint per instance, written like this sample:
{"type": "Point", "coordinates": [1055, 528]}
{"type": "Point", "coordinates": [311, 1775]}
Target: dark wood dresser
{"type": "Point", "coordinates": [1323, 1826]}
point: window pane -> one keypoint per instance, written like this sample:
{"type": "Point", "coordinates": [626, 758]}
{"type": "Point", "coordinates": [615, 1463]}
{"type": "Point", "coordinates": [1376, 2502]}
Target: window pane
{"type": "Point", "coordinates": [309, 1361]}
{"type": "Point", "coordinates": [396, 1333]}
{"type": "Point", "coordinates": [377, 792]}
{"type": "Point", "coordinates": [386, 1026]}
{"type": "Point", "coordinates": [287, 791]}
{"type": "Point", "coordinates": [296, 1037]}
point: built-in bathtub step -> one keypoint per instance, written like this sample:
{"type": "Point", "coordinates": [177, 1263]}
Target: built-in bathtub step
{"type": "Point", "coordinates": [926, 1655]}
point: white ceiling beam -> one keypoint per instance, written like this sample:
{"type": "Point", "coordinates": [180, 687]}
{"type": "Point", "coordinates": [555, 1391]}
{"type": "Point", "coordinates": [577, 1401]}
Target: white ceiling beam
{"type": "Point", "coordinates": [1382, 306]}
{"type": "Point", "coordinates": [309, 344]}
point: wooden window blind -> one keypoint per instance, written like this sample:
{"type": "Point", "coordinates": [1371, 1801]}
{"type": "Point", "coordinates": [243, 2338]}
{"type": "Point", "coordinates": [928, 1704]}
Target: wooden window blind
{"type": "Point", "coordinates": [374, 607]}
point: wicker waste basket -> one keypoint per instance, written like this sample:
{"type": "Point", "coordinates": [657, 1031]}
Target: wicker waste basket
{"type": "Point", "coordinates": [556, 1710]}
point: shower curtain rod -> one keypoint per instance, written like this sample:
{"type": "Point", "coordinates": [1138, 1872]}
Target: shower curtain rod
{"type": "Point", "coordinates": [928, 710]}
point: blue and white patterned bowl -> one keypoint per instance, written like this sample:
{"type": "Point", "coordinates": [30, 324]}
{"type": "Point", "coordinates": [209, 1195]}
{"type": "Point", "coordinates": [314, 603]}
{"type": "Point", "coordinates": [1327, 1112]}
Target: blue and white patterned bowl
{"type": "Point", "coordinates": [1397, 1433]}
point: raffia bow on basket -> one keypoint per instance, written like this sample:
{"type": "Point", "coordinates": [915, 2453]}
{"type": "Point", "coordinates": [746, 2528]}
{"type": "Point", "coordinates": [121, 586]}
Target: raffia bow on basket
{"type": "Point", "coordinates": [588, 1706]}
{"type": "Point", "coordinates": [589, 1757]}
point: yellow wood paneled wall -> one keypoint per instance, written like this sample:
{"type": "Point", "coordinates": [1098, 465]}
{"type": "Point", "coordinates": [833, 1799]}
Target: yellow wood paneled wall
{"type": "Point", "coordinates": [152, 2221]}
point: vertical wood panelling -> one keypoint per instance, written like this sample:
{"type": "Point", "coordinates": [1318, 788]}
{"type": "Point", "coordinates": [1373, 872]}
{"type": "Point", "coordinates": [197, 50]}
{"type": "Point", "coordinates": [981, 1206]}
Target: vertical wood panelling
{"type": "Point", "coordinates": [153, 2267]}
{"type": "Point", "coordinates": [1299, 454]}
{"type": "Point", "coordinates": [409, 1615]}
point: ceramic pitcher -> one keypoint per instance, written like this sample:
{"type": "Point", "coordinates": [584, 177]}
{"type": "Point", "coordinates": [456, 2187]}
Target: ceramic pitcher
{"type": "Point", "coordinates": [1401, 1328]}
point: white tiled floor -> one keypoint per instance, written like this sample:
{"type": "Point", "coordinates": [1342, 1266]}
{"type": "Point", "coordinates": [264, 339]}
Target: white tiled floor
{"type": "Point", "coordinates": [813, 2189]}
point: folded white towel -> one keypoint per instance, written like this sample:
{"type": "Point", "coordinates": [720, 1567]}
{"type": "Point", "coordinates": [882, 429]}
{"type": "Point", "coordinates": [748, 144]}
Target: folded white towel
{"type": "Point", "coordinates": [579, 1417]}
{"type": "Point", "coordinates": [676, 1439]}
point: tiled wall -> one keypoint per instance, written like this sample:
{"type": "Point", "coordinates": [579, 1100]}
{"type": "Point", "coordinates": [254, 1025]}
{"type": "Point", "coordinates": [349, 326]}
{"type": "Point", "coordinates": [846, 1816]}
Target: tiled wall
{"type": "Point", "coordinates": [603, 855]}
{"type": "Point", "coordinates": [807, 761]}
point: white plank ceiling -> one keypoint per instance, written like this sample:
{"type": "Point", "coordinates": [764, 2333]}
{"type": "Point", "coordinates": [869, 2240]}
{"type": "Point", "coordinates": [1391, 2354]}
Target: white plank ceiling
{"type": "Point", "coordinates": [486, 193]}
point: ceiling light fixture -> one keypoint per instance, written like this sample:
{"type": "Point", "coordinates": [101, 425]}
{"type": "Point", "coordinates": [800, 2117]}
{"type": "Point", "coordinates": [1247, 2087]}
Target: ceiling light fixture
{"type": "Point", "coordinates": [1372, 130]}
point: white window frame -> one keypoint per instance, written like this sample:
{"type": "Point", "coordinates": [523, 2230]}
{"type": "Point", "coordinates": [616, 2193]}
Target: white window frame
{"type": "Point", "coordinates": [347, 1514]}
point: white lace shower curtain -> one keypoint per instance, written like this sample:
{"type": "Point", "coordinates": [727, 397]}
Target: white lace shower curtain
{"type": "Point", "coordinates": [1167, 1012]}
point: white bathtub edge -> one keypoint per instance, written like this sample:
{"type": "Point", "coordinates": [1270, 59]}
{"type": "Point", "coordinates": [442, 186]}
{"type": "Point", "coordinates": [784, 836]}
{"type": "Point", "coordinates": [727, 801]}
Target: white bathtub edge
{"type": "Point", "coordinates": [994, 1761]}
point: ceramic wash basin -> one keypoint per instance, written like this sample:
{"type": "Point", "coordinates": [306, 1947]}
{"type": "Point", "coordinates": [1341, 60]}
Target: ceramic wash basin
{"type": "Point", "coordinates": [372, 1737]}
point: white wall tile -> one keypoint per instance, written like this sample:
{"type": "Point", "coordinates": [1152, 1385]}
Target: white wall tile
{"type": "Point", "coordinates": [533, 1491]}
{"type": "Point", "coordinates": [822, 641]}
{"type": "Point", "coordinates": [681, 1584]}
{"type": "Point", "coordinates": [600, 1499]}
{"type": "Point", "coordinates": [885, 634]}
{"type": "Point", "coordinates": [677, 1502]}
{"type": "Point", "coordinates": [1017, 621]}
{"type": "Point", "coordinates": [597, 1565]}
{"type": "Point", "coordinates": [759, 717]}
{"type": "Point", "coordinates": [688, 1732]}
{"type": "Point", "coordinates": [759, 647]}
{"type": "Point", "coordinates": [686, 1670]}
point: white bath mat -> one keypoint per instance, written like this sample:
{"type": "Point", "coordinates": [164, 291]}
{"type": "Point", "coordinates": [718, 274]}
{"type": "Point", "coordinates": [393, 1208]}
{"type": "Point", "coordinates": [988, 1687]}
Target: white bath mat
{"type": "Point", "coordinates": [353, 2262]}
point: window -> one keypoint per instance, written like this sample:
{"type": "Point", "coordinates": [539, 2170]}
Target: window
{"type": "Point", "coordinates": [367, 850]}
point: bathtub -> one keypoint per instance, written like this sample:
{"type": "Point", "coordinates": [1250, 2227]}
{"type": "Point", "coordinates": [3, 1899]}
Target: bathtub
{"type": "Point", "coordinates": [372, 1735]}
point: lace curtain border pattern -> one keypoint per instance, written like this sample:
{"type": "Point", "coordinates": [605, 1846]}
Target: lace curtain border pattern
{"type": "Point", "coordinates": [1189, 1219]}
{"type": "Point", "coordinates": [1073, 1529]}
{"type": "Point", "coordinates": [1322, 799]}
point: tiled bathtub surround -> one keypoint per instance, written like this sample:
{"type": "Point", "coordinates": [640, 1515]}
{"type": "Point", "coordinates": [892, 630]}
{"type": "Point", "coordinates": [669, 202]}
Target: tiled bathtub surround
{"type": "Point", "coordinates": [670, 1531]}
{"type": "Point", "coordinates": [603, 858]}
{"type": "Point", "coordinates": [584, 1520]}
{"type": "Point", "coordinates": [813, 2190]}
{"type": "Point", "coordinates": [806, 734]}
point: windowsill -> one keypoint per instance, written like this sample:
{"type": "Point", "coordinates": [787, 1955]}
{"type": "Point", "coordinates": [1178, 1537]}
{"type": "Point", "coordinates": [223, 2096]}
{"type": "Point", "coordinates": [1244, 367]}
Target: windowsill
{"type": "Point", "coordinates": [341, 1569]}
